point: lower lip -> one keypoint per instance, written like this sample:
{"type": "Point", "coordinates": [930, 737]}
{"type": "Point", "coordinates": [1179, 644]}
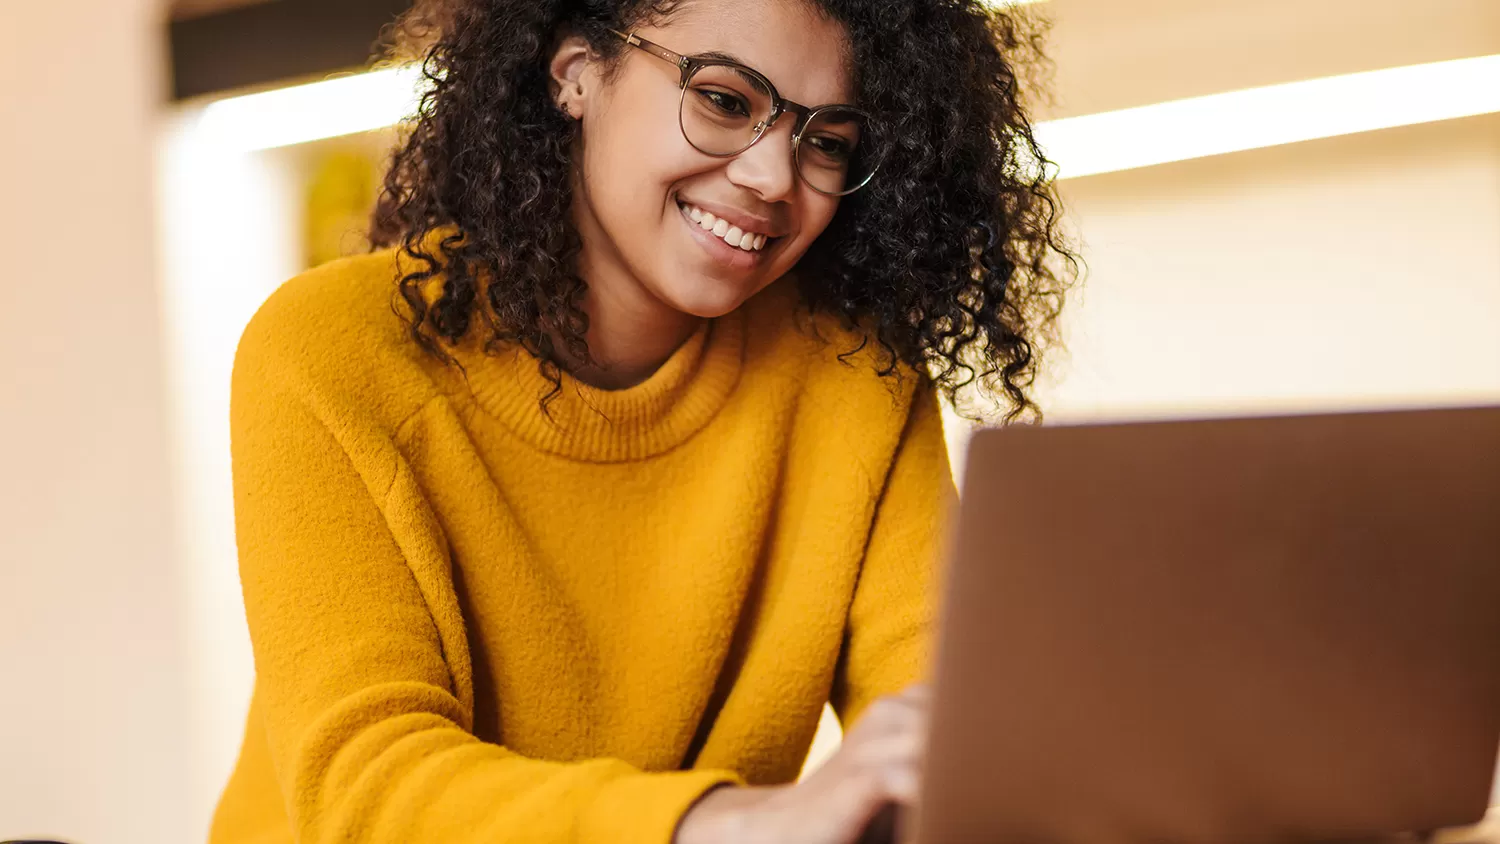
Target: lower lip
{"type": "Point", "coordinates": [722, 253]}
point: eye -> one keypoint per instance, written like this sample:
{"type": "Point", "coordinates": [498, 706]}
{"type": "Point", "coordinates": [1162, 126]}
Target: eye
{"type": "Point", "coordinates": [832, 146]}
{"type": "Point", "coordinates": [724, 101]}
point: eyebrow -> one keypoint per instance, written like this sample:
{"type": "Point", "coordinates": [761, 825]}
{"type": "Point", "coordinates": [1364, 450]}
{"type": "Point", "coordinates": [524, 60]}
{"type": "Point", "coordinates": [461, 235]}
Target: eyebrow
{"type": "Point", "coordinates": [730, 57]}
{"type": "Point", "coordinates": [722, 56]}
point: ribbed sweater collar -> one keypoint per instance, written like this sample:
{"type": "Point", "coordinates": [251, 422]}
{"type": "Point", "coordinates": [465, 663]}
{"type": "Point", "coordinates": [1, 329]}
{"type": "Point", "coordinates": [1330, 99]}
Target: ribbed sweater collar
{"type": "Point", "coordinates": [602, 426]}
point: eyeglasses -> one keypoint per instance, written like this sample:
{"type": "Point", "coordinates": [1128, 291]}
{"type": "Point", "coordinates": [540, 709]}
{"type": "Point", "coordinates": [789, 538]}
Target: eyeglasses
{"type": "Point", "coordinates": [726, 107]}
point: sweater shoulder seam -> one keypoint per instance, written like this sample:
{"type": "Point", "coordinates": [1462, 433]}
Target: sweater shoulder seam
{"type": "Point", "coordinates": [399, 436]}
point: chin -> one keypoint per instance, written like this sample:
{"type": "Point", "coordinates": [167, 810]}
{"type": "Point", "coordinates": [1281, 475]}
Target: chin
{"type": "Point", "coordinates": [707, 300]}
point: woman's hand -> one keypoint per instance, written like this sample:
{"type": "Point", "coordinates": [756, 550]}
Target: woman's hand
{"type": "Point", "coordinates": [877, 765]}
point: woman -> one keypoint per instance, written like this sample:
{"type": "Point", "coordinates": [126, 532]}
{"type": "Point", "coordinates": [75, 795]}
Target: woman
{"type": "Point", "coordinates": [646, 463]}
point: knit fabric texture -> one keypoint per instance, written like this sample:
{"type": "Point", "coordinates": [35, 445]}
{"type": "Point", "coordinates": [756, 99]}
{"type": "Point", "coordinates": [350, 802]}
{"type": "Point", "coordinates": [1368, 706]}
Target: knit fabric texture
{"type": "Point", "coordinates": [474, 621]}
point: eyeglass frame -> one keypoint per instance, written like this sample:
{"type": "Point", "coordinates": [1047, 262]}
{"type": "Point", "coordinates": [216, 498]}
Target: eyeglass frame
{"type": "Point", "coordinates": [689, 65]}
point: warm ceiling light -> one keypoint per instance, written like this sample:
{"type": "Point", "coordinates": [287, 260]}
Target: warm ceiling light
{"type": "Point", "coordinates": [1271, 116]}
{"type": "Point", "coordinates": [312, 112]}
{"type": "Point", "coordinates": [1082, 146]}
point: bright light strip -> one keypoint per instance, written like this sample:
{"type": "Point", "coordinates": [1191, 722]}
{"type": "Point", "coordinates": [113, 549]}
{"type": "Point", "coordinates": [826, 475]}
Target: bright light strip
{"type": "Point", "coordinates": [1265, 117]}
{"type": "Point", "coordinates": [312, 112]}
{"type": "Point", "coordinates": [1082, 146]}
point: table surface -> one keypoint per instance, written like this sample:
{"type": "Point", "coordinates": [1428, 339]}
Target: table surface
{"type": "Point", "coordinates": [1486, 831]}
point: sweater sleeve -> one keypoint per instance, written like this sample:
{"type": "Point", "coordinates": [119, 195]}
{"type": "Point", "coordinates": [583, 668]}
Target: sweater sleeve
{"type": "Point", "coordinates": [368, 731]}
{"type": "Point", "coordinates": [891, 620]}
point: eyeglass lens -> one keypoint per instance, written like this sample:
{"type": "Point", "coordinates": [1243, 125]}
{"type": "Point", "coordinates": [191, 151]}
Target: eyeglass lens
{"type": "Point", "coordinates": [723, 109]}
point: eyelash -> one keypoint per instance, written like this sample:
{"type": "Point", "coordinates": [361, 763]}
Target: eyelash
{"type": "Point", "coordinates": [713, 98]}
{"type": "Point", "coordinates": [843, 146]}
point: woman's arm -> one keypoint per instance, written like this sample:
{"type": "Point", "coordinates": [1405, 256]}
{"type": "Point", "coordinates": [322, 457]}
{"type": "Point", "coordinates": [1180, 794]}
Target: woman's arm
{"type": "Point", "coordinates": [884, 655]}
{"type": "Point", "coordinates": [891, 621]}
{"type": "Point", "coordinates": [367, 708]}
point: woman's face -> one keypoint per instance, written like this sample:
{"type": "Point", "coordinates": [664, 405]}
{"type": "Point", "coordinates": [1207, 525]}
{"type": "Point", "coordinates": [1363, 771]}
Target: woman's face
{"type": "Point", "coordinates": [639, 184]}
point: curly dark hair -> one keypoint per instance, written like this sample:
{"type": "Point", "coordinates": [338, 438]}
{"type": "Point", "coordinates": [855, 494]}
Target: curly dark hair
{"type": "Point", "coordinates": [952, 259]}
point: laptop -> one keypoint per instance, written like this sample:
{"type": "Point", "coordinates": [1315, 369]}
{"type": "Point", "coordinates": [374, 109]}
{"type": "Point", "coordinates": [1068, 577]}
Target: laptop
{"type": "Point", "coordinates": [1238, 630]}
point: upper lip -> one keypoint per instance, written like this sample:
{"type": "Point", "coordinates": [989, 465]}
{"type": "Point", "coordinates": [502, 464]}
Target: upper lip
{"type": "Point", "coordinates": [743, 220]}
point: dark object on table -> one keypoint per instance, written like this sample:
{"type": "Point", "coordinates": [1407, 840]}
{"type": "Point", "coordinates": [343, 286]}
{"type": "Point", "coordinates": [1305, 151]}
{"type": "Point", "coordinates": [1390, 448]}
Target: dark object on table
{"type": "Point", "coordinates": [882, 827]}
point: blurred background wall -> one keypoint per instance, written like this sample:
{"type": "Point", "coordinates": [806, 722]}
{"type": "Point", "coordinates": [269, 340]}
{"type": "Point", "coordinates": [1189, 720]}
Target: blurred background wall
{"type": "Point", "coordinates": [1357, 270]}
{"type": "Point", "coordinates": [92, 629]}
{"type": "Point", "coordinates": [1354, 271]}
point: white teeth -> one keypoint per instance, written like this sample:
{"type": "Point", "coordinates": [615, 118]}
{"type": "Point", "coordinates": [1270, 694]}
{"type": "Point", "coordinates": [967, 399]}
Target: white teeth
{"type": "Point", "coordinates": [732, 235]}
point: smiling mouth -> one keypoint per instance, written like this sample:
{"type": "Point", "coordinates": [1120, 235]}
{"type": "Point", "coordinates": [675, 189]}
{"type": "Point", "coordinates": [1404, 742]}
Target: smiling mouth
{"type": "Point", "coordinates": [731, 235]}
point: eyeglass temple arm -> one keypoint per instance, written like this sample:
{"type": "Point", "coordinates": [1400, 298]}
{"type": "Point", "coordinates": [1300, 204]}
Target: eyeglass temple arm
{"type": "Point", "coordinates": [654, 49]}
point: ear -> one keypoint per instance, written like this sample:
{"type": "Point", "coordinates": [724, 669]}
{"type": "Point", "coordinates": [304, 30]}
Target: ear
{"type": "Point", "coordinates": [568, 67]}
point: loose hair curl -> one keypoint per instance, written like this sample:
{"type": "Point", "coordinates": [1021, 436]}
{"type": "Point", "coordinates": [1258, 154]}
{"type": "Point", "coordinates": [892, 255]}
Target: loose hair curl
{"type": "Point", "coordinates": [952, 260]}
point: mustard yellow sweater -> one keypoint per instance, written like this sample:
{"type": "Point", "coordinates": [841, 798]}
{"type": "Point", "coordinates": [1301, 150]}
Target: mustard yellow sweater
{"type": "Point", "coordinates": [473, 624]}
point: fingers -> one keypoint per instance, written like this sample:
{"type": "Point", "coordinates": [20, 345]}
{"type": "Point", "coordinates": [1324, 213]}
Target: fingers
{"type": "Point", "coordinates": [878, 764]}
{"type": "Point", "coordinates": [901, 783]}
{"type": "Point", "coordinates": [917, 696]}
{"type": "Point", "coordinates": [889, 766]}
{"type": "Point", "coordinates": [904, 712]}
{"type": "Point", "coordinates": [883, 754]}
{"type": "Point", "coordinates": [917, 692]}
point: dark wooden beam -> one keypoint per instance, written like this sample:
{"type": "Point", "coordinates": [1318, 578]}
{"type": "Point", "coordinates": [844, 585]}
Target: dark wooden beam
{"type": "Point", "coordinates": [181, 10]}
{"type": "Point", "coordinates": [280, 39]}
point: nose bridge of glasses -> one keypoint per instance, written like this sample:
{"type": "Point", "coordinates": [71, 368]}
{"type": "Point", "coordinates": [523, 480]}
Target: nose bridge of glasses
{"type": "Point", "coordinates": [769, 127]}
{"type": "Point", "coordinates": [774, 156]}
{"type": "Point", "coordinates": [780, 107]}
{"type": "Point", "coordinates": [800, 116]}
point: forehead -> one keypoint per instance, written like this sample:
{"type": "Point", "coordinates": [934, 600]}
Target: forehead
{"type": "Point", "coordinates": [803, 53]}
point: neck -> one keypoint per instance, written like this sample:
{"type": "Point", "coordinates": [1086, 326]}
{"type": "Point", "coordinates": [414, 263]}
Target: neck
{"type": "Point", "coordinates": [627, 348]}
{"type": "Point", "coordinates": [631, 332]}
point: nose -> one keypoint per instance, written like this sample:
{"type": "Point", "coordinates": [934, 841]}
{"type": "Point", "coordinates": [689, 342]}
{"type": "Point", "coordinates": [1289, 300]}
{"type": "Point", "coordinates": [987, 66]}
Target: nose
{"type": "Point", "coordinates": [767, 166]}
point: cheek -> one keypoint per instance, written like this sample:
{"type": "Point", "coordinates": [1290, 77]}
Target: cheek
{"type": "Point", "coordinates": [820, 213]}
{"type": "Point", "coordinates": [815, 219]}
{"type": "Point", "coordinates": [633, 158]}
{"type": "Point", "coordinates": [636, 131]}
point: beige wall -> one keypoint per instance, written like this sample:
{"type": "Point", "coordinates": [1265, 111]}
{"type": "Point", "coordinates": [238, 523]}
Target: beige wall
{"type": "Point", "coordinates": [90, 672]}
{"type": "Point", "coordinates": [1350, 271]}
{"type": "Point", "coordinates": [1112, 54]}
{"type": "Point", "coordinates": [1357, 271]}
